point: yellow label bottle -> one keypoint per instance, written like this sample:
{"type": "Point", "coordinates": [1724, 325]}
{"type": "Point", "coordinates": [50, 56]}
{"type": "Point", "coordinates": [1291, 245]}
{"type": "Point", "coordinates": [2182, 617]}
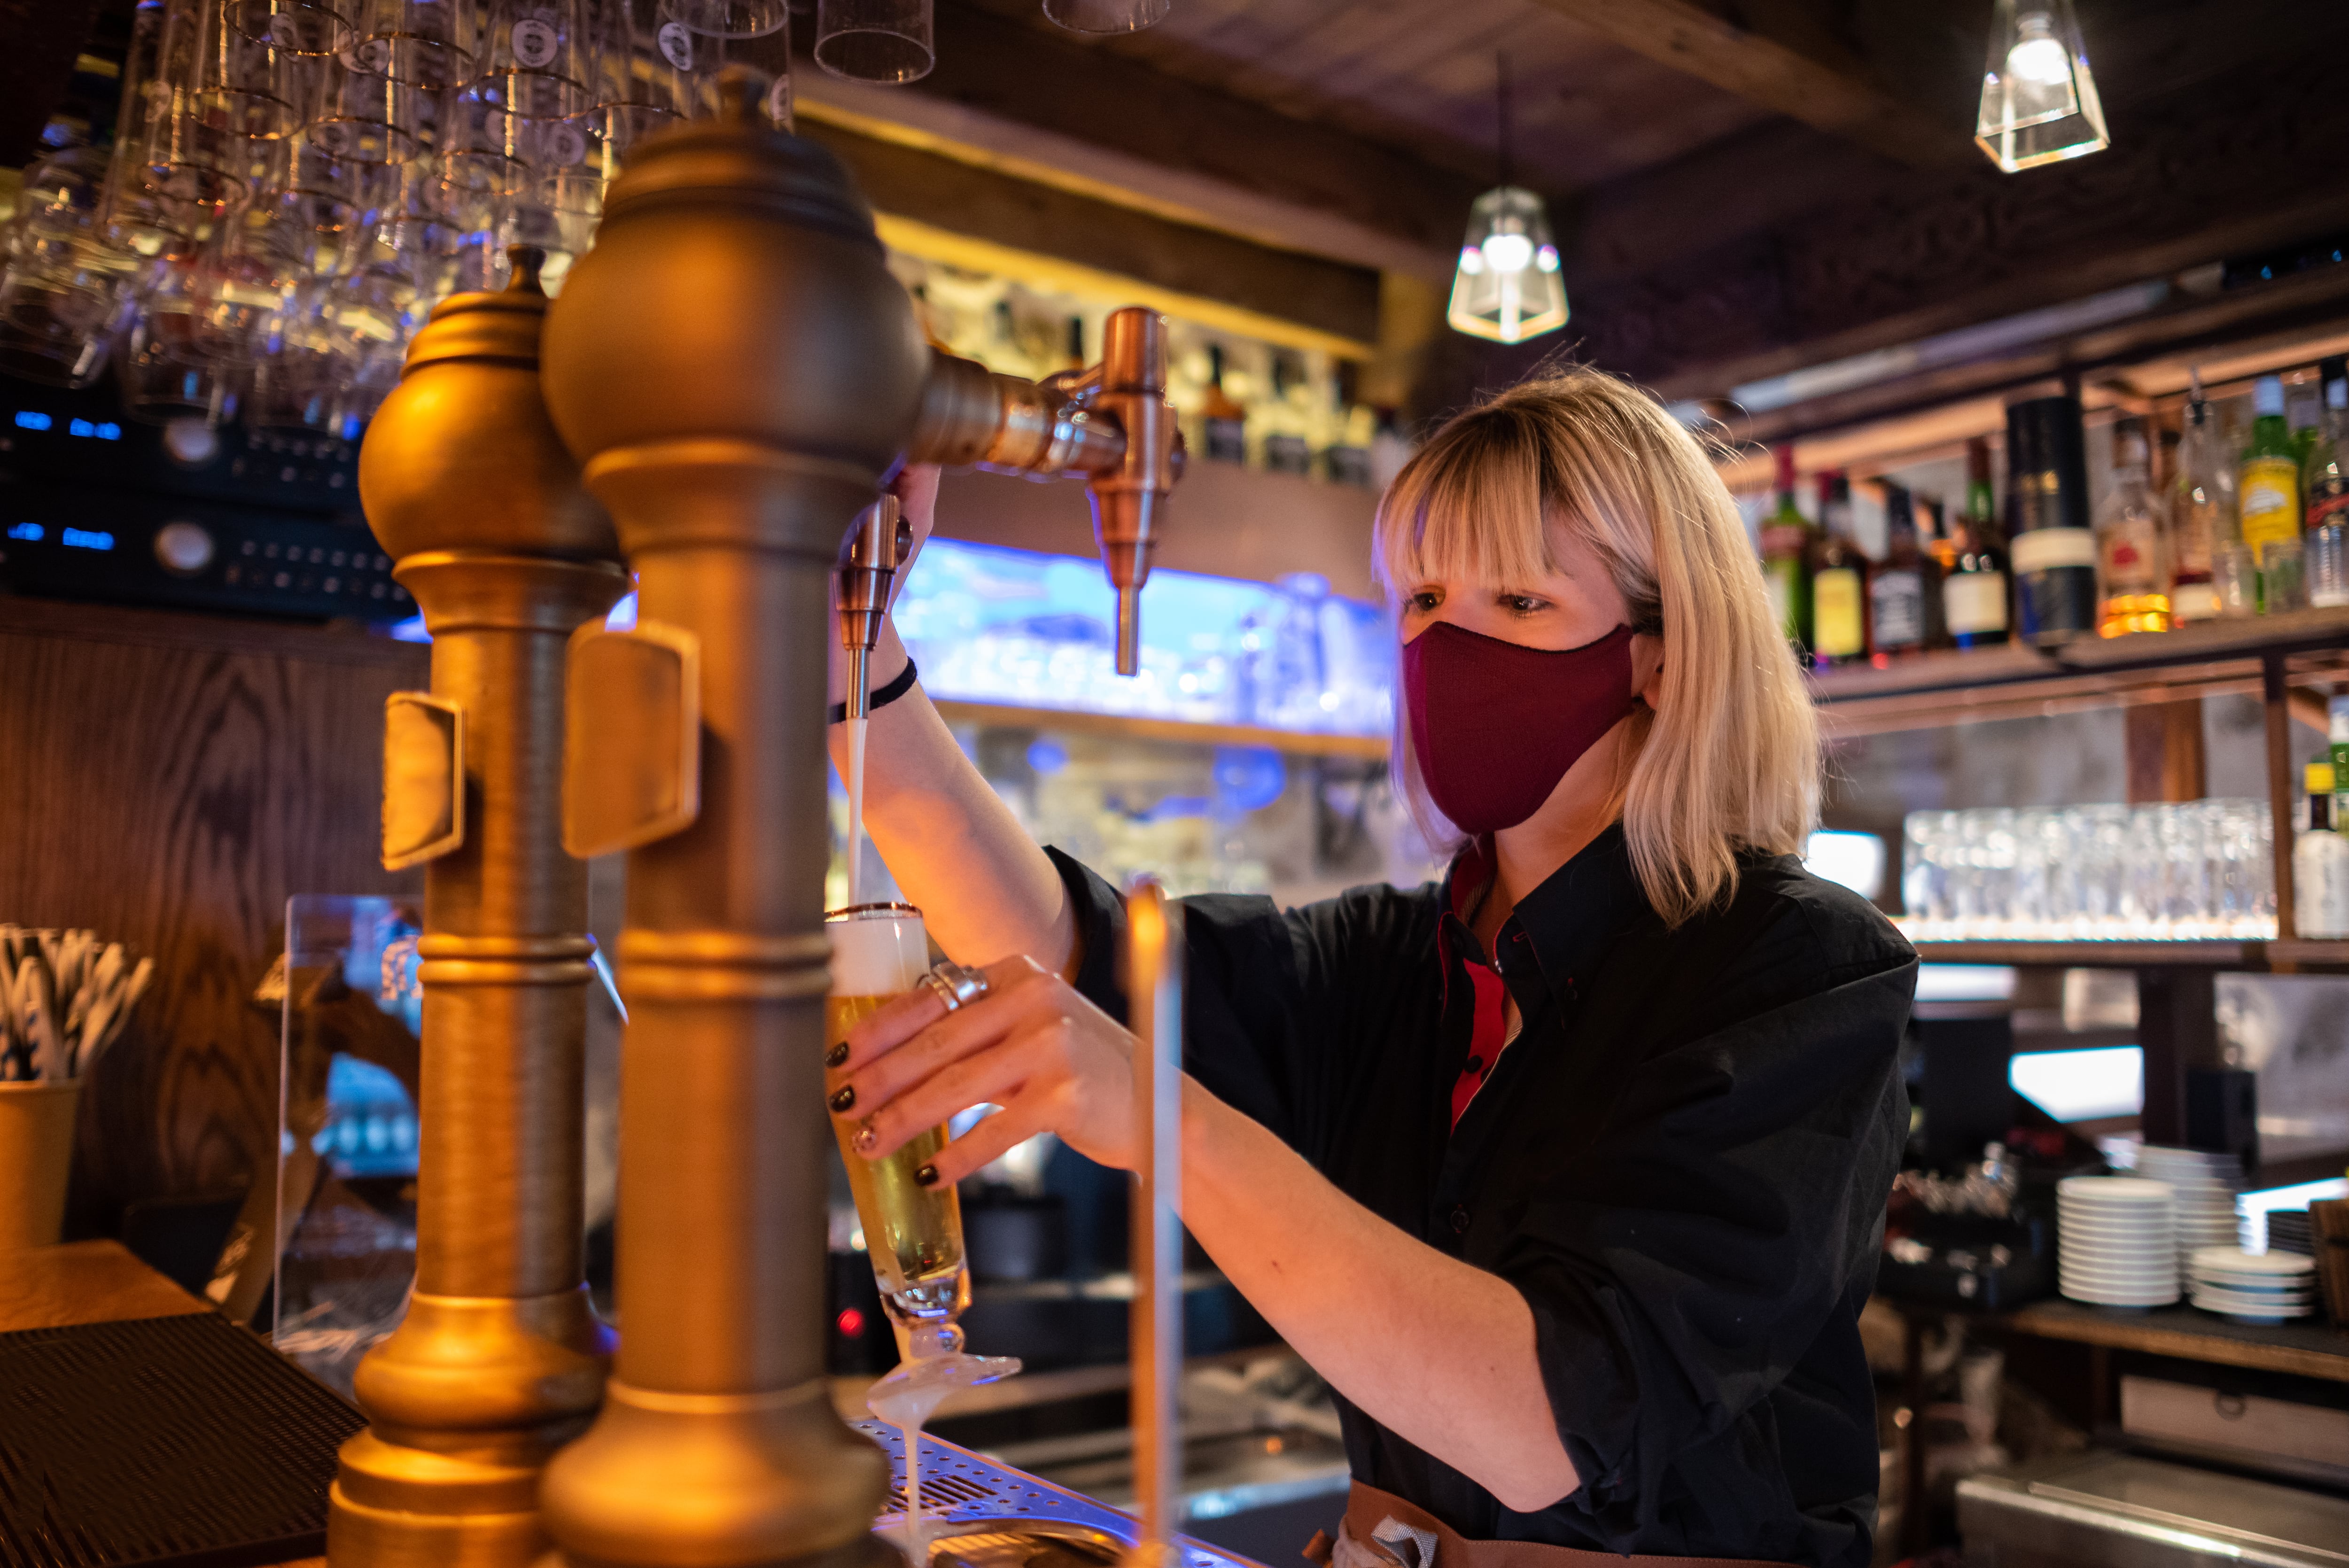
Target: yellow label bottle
{"type": "Point", "coordinates": [2268, 495]}
{"type": "Point", "coordinates": [1841, 631]}
{"type": "Point", "coordinates": [2267, 489]}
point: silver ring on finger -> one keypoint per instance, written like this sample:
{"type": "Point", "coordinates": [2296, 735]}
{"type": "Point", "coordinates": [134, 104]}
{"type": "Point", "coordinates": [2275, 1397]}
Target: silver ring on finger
{"type": "Point", "coordinates": [954, 984]}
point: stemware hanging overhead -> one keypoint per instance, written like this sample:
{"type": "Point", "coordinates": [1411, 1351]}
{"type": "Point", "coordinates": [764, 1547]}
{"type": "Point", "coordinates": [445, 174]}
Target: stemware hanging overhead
{"type": "Point", "coordinates": [729, 18]}
{"type": "Point", "coordinates": [1107, 15]}
{"type": "Point", "coordinates": [885, 41]}
{"type": "Point", "coordinates": [368, 117]}
{"type": "Point", "coordinates": [64, 297]}
{"type": "Point", "coordinates": [646, 67]}
{"type": "Point", "coordinates": [135, 219]}
{"type": "Point", "coordinates": [230, 87]}
{"type": "Point", "coordinates": [535, 58]}
{"type": "Point", "coordinates": [313, 27]}
{"type": "Point", "coordinates": [161, 376]}
{"type": "Point", "coordinates": [427, 44]}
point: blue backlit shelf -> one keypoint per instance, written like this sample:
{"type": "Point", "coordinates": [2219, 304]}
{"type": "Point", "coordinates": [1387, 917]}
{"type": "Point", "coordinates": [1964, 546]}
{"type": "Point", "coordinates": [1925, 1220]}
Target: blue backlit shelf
{"type": "Point", "coordinates": [1294, 743]}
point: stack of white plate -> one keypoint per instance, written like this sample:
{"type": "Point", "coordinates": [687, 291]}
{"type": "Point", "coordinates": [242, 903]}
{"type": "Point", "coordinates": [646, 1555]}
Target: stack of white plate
{"type": "Point", "coordinates": [2254, 1287]}
{"type": "Point", "coordinates": [2207, 1184]}
{"type": "Point", "coordinates": [2116, 1241]}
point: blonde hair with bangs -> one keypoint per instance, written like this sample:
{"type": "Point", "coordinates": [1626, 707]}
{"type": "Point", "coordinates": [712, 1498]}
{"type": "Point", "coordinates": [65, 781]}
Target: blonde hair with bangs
{"type": "Point", "coordinates": [1729, 758]}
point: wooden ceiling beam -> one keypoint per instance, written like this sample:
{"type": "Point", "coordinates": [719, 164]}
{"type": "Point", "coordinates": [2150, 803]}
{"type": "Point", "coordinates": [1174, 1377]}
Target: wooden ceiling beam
{"type": "Point", "coordinates": [1041, 107]}
{"type": "Point", "coordinates": [1776, 57]}
{"type": "Point", "coordinates": [1339, 302]}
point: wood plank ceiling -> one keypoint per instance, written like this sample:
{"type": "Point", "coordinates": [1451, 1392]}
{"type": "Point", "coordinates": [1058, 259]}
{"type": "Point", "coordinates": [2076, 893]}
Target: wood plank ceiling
{"type": "Point", "coordinates": [1417, 76]}
{"type": "Point", "coordinates": [1742, 186]}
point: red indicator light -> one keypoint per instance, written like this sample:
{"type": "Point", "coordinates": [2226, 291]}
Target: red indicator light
{"type": "Point", "coordinates": [851, 1323]}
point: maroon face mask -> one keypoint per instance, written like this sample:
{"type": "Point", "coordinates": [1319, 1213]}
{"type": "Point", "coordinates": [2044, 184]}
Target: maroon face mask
{"type": "Point", "coordinates": [1495, 725]}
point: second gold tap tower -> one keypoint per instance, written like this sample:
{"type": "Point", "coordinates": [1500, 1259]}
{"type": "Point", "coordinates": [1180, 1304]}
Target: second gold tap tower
{"type": "Point", "coordinates": [735, 368]}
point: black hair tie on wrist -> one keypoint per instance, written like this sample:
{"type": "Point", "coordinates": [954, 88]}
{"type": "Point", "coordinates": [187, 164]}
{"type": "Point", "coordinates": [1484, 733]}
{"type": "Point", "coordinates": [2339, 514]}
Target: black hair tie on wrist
{"type": "Point", "coordinates": [882, 695]}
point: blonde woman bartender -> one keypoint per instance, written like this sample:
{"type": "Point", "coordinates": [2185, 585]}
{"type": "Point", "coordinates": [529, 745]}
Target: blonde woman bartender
{"type": "Point", "coordinates": [1567, 1171]}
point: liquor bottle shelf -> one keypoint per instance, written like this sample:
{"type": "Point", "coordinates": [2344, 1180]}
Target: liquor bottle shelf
{"type": "Point", "coordinates": [1934, 690]}
{"type": "Point", "coordinates": [1296, 743]}
{"type": "Point", "coordinates": [2265, 957]}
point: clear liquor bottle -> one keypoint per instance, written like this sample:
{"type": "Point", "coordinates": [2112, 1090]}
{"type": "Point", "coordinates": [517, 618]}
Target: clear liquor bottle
{"type": "Point", "coordinates": [2210, 554]}
{"type": "Point", "coordinates": [2133, 570]}
{"type": "Point", "coordinates": [2324, 490]}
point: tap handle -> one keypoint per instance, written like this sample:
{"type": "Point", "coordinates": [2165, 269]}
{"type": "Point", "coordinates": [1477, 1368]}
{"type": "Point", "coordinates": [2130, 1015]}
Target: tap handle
{"type": "Point", "coordinates": [878, 542]}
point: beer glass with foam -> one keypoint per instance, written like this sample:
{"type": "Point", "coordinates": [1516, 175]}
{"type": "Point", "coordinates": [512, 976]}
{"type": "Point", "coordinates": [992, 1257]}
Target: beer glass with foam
{"type": "Point", "coordinates": [913, 1233]}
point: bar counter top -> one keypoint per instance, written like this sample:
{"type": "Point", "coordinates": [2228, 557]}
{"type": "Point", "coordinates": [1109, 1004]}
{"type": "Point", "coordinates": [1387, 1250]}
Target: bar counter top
{"type": "Point", "coordinates": [84, 1282]}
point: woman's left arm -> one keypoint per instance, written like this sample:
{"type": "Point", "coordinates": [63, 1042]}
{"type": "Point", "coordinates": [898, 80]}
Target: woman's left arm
{"type": "Point", "coordinates": [1437, 1351]}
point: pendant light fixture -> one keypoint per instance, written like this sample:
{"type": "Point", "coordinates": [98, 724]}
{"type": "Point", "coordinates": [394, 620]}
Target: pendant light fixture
{"type": "Point", "coordinates": [1508, 286]}
{"type": "Point", "coordinates": [2039, 101]}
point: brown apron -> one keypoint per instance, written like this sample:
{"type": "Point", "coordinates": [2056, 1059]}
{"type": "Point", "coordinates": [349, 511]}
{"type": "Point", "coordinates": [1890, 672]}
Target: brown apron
{"type": "Point", "coordinates": [1381, 1530]}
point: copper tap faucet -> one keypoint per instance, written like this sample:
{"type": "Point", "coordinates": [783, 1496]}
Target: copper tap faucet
{"type": "Point", "coordinates": [1110, 423]}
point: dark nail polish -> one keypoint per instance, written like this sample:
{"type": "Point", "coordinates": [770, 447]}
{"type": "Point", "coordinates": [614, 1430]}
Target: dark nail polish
{"type": "Point", "coordinates": [837, 1055]}
{"type": "Point", "coordinates": [844, 1098]}
{"type": "Point", "coordinates": [926, 1176]}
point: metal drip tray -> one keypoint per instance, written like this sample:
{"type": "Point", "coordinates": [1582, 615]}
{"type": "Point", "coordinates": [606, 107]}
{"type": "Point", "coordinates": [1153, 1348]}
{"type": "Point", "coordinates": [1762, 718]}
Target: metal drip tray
{"type": "Point", "coordinates": [1027, 1543]}
{"type": "Point", "coordinates": [2102, 1510]}
{"type": "Point", "coordinates": [991, 1516]}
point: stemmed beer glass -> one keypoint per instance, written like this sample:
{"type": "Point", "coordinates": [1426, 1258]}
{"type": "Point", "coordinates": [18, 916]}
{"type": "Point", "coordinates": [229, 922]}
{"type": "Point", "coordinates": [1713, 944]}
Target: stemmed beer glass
{"type": "Point", "coordinates": [912, 1232]}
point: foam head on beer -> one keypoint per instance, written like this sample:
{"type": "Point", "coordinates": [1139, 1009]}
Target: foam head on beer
{"type": "Point", "coordinates": [877, 950]}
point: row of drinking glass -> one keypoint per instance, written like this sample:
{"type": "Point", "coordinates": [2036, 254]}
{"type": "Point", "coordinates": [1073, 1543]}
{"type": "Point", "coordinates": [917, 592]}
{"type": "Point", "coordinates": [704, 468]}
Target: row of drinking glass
{"type": "Point", "coordinates": [2196, 869]}
{"type": "Point", "coordinates": [294, 184]}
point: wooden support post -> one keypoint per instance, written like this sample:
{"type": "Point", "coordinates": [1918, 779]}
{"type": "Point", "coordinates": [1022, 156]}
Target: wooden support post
{"type": "Point", "coordinates": [2165, 751]}
{"type": "Point", "coordinates": [2177, 1025]}
{"type": "Point", "coordinates": [1914, 1516]}
{"type": "Point", "coordinates": [2279, 719]}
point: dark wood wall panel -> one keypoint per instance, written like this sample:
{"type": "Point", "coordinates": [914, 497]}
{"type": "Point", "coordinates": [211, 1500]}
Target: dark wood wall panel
{"type": "Point", "coordinates": [169, 781]}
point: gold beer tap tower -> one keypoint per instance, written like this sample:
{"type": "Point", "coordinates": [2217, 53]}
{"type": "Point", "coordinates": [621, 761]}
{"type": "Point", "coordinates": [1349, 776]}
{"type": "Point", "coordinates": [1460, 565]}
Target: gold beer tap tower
{"type": "Point", "coordinates": [500, 1358]}
{"type": "Point", "coordinates": [735, 372]}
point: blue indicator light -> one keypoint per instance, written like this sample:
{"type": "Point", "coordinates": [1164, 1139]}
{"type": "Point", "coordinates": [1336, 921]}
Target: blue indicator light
{"type": "Point", "coordinates": [81, 428]}
{"type": "Point", "coordinates": [33, 420]}
{"type": "Point", "coordinates": [28, 531]}
{"type": "Point", "coordinates": [86, 539]}
{"type": "Point", "coordinates": [109, 431]}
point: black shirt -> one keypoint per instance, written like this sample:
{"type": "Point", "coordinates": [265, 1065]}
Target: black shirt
{"type": "Point", "coordinates": [1681, 1162]}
